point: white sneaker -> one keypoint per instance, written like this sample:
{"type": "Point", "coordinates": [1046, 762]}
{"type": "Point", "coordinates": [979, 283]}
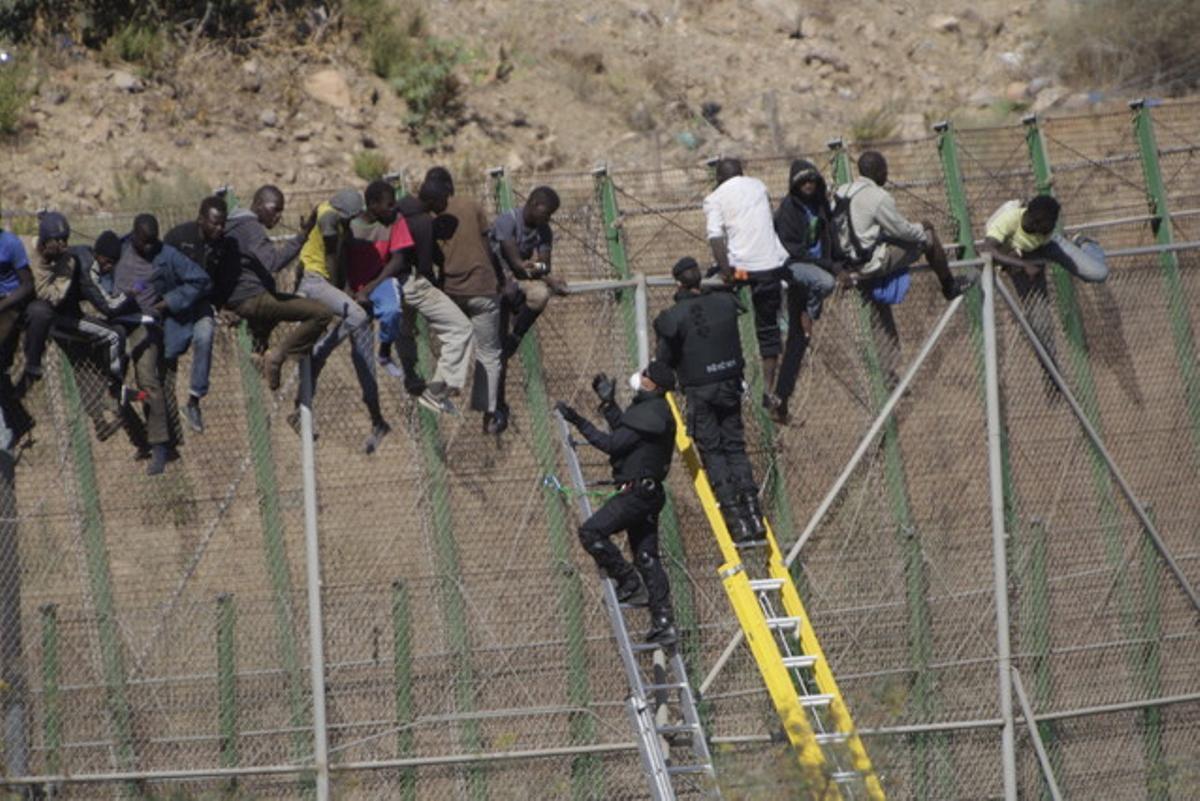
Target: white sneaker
{"type": "Point", "coordinates": [393, 369]}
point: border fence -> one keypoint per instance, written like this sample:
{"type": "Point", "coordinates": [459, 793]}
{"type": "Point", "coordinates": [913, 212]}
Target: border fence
{"type": "Point", "coordinates": [158, 637]}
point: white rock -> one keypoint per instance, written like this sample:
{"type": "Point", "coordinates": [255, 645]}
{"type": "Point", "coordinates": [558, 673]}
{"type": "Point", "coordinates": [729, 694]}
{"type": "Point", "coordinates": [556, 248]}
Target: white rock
{"type": "Point", "coordinates": [127, 82]}
{"type": "Point", "coordinates": [328, 86]}
{"type": "Point", "coordinates": [268, 118]}
{"type": "Point", "coordinates": [945, 23]}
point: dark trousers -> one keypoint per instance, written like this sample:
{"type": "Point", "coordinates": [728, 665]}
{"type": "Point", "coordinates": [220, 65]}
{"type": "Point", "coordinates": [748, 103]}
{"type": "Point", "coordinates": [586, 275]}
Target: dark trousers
{"type": "Point", "coordinates": [266, 310]}
{"type": "Point", "coordinates": [714, 419]}
{"type": "Point", "coordinates": [795, 346]}
{"type": "Point", "coordinates": [766, 294]}
{"type": "Point", "coordinates": [15, 414]}
{"type": "Point", "coordinates": [634, 511]}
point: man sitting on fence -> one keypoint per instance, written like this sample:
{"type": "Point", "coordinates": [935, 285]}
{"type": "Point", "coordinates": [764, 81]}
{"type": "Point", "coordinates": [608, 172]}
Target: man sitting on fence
{"type": "Point", "coordinates": [254, 297]}
{"type": "Point", "coordinates": [741, 234]}
{"type": "Point", "coordinates": [522, 242]}
{"type": "Point", "coordinates": [469, 278]}
{"type": "Point", "coordinates": [1023, 238]}
{"type": "Point", "coordinates": [421, 294]}
{"type": "Point", "coordinates": [169, 290]}
{"type": "Point", "coordinates": [203, 240]}
{"type": "Point", "coordinates": [803, 225]}
{"type": "Point", "coordinates": [59, 271]}
{"type": "Point", "coordinates": [325, 258]}
{"type": "Point", "coordinates": [16, 290]}
{"type": "Point", "coordinates": [639, 448]}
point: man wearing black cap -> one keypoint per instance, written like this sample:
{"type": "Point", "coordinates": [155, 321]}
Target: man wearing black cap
{"type": "Point", "coordinates": [639, 449]}
{"type": "Point", "coordinates": [698, 336]}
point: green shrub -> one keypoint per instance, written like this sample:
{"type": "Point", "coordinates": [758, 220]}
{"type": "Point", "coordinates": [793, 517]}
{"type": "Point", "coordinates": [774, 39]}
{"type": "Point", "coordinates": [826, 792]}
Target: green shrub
{"type": "Point", "coordinates": [138, 43]}
{"type": "Point", "coordinates": [370, 165]}
{"type": "Point", "coordinates": [1130, 46]}
{"type": "Point", "coordinates": [420, 67]}
{"type": "Point", "coordinates": [14, 95]}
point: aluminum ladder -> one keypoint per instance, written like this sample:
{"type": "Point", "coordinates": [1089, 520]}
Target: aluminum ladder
{"type": "Point", "coordinates": [661, 704]}
{"type": "Point", "coordinates": [798, 678]}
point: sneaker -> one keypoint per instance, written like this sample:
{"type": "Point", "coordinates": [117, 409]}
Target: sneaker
{"type": "Point", "coordinates": [393, 369]}
{"type": "Point", "coordinates": [632, 592]}
{"type": "Point", "coordinates": [379, 430]}
{"type": "Point", "coordinates": [780, 415]}
{"type": "Point", "coordinates": [437, 399]}
{"type": "Point", "coordinates": [662, 631]}
{"type": "Point", "coordinates": [195, 419]}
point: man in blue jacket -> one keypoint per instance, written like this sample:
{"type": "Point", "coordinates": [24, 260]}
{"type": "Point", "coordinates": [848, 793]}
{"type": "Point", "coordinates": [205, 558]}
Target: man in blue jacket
{"type": "Point", "coordinates": [168, 289]}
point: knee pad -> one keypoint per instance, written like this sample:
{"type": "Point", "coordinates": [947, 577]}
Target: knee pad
{"type": "Point", "coordinates": [591, 539]}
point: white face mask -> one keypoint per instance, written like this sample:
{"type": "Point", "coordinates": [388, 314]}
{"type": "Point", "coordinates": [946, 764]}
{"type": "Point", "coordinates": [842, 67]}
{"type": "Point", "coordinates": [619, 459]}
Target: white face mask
{"type": "Point", "coordinates": [635, 381]}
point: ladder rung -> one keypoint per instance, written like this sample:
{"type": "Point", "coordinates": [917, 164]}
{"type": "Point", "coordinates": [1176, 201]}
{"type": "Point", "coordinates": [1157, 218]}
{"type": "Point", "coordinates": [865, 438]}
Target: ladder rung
{"type": "Point", "coordinates": [832, 738]}
{"type": "Point", "coordinates": [747, 546]}
{"type": "Point", "coordinates": [651, 688]}
{"type": "Point", "coordinates": [783, 622]}
{"type": "Point", "coordinates": [845, 776]}
{"type": "Point", "coordinates": [639, 647]}
{"type": "Point", "coordinates": [766, 585]}
{"type": "Point", "coordinates": [819, 699]}
{"type": "Point", "coordinates": [677, 728]}
{"type": "Point", "coordinates": [792, 662]}
{"type": "Point", "coordinates": [678, 769]}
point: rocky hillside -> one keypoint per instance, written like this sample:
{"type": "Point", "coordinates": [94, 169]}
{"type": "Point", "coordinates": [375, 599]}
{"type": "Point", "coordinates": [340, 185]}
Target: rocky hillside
{"type": "Point", "coordinates": [542, 86]}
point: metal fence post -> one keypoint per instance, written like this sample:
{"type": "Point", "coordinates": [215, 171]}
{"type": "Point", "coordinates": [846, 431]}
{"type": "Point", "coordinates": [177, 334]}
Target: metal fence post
{"type": "Point", "coordinates": [635, 312]}
{"type": "Point", "coordinates": [999, 547]}
{"type": "Point", "coordinates": [956, 197]}
{"type": "Point", "coordinates": [1177, 297]}
{"type": "Point", "coordinates": [908, 538]}
{"type": "Point", "coordinates": [586, 777]}
{"type": "Point", "coordinates": [1157, 775]}
{"type": "Point", "coordinates": [312, 573]}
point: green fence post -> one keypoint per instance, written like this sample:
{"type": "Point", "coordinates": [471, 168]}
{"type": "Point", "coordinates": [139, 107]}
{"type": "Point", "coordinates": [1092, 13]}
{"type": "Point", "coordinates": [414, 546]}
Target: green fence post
{"type": "Point", "coordinates": [227, 682]}
{"type": "Point", "coordinates": [275, 551]}
{"type": "Point", "coordinates": [1177, 298]}
{"type": "Point", "coordinates": [454, 608]}
{"type": "Point", "coordinates": [1158, 777]}
{"type": "Point", "coordinates": [916, 581]}
{"type": "Point", "coordinates": [402, 667]}
{"type": "Point", "coordinates": [586, 776]}
{"type": "Point", "coordinates": [51, 703]}
{"type": "Point", "coordinates": [99, 575]}
{"type": "Point", "coordinates": [672, 542]}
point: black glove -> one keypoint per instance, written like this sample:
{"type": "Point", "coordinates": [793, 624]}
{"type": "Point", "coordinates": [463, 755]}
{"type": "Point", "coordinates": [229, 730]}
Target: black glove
{"type": "Point", "coordinates": [568, 414]}
{"type": "Point", "coordinates": [605, 388]}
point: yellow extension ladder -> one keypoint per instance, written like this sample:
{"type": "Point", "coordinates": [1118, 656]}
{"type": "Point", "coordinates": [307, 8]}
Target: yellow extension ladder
{"type": "Point", "coordinates": [793, 666]}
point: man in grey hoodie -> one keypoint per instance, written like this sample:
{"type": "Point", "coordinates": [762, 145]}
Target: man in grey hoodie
{"type": "Point", "coordinates": [254, 296]}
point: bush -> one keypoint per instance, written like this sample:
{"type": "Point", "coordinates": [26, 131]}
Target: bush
{"type": "Point", "coordinates": [138, 43]}
{"type": "Point", "coordinates": [14, 95]}
{"type": "Point", "coordinates": [370, 165]}
{"type": "Point", "coordinates": [420, 67]}
{"type": "Point", "coordinates": [876, 125]}
{"type": "Point", "coordinates": [1130, 46]}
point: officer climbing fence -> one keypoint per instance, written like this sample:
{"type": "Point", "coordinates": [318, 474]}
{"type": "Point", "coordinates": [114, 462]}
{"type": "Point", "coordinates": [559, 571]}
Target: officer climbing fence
{"type": "Point", "coordinates": [156, 633]}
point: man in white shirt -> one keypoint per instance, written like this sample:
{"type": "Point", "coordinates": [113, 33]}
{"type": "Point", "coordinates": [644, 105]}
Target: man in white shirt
{"type": "Point", "coordinates": [741, 232]}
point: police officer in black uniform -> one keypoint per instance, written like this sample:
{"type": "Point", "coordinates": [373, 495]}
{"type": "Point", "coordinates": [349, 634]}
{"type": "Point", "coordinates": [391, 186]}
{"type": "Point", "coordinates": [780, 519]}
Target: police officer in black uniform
{"type": "Point", "coordinates": [698, 336]}
{"type": "Point", "coordinates": [639, 449]}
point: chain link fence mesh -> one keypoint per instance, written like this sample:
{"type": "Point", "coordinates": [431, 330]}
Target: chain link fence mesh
{"type": "Point", "coordinates": [158, 624]}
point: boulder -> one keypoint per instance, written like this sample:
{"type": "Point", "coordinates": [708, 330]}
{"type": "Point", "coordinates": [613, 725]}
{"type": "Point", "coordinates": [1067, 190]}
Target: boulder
{"type": "Point", "coordinates": [329, 86]}
{"type": "Point", "coordinates": [127, 82]}
{"type": "Point", "coordinates": [945, 23]}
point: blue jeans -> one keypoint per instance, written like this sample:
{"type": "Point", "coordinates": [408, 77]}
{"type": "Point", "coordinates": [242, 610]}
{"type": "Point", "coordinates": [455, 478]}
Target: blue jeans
{"type": "Point", "coordinates": [202, 347]}
{"type": "Point", "coordinates": [816, 283]}
{"type": "Point", "coordinates": [386, 300]}
{"type": "Point", "coordinates": [353, 322]}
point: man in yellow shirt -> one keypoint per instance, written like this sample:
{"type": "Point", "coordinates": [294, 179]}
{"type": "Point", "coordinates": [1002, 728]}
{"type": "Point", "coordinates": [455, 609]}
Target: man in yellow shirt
{"type": "Point", "coordinates": [1024, 238]}
{"type": "Point", "coordinates": [323, 258]}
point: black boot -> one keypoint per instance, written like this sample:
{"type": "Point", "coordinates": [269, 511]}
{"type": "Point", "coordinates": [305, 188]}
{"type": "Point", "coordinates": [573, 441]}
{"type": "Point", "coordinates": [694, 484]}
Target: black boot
{"type": "Point", "coordinates": [662, 630]}
{"type": "Point", "coordinates": [735, 521]}
{"type": "Point", "coordinates": [753, 515]}
{"type": "Point", "coordinates": [631, 591]}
